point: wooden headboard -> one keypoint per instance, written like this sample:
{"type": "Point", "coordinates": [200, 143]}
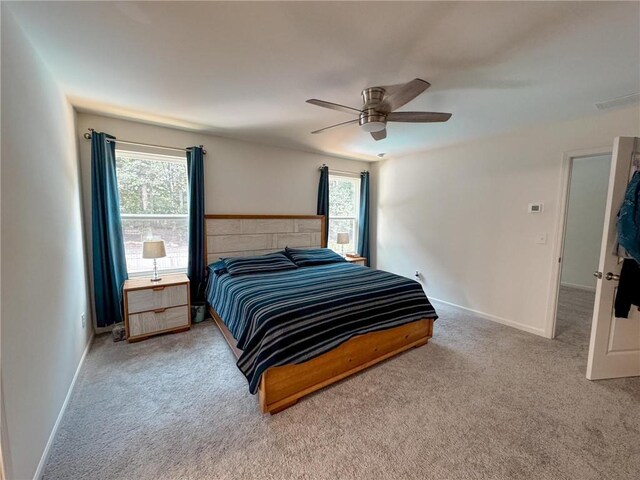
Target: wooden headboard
{"type": "Point", "coordinates": [243, 235]}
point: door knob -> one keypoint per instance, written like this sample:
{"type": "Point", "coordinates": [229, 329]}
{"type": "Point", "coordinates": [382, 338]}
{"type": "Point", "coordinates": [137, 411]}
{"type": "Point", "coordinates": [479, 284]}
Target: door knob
{"type": "Point", "coordinates": [597, 274]}
{"type": "Point", "coordinates": [612, 276]}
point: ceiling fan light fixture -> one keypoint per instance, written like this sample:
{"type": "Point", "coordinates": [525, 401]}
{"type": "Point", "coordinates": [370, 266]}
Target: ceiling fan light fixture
{"type": "Point", "coordinates": [371, 127]}
{"type": "Point", "coordinates": [372, 121]}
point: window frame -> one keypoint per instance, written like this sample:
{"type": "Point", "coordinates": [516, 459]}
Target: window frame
{"type": "Point", "coordinates": [143, 155]}
{"type": "Point", "coordinates": [355, 179]}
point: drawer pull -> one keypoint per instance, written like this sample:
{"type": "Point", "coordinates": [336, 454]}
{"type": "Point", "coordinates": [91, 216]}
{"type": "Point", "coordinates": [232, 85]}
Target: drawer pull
{"type": "Point", "coordinates": [157, 289]}
{"type": "Point", "coordinates": [159, 310]}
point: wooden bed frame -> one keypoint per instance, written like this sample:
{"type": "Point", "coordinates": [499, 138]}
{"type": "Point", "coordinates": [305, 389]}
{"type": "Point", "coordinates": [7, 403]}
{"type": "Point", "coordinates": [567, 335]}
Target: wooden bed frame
{"type": "Point", "coordinates": [281, 387]}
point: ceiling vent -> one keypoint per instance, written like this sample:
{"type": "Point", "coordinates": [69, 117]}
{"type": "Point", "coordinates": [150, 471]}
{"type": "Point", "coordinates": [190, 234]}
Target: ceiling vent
{"type": "Point", "coordinates": [618, 102]}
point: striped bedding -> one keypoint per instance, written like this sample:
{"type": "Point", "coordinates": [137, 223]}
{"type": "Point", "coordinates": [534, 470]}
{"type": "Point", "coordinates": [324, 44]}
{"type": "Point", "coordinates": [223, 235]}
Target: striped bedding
{"type": "Point", "coordinates": [291, 316]}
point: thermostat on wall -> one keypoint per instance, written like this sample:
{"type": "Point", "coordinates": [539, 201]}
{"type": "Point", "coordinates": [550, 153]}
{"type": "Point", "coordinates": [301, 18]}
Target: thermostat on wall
{"type": "Point", "coordinates": [536, 207]}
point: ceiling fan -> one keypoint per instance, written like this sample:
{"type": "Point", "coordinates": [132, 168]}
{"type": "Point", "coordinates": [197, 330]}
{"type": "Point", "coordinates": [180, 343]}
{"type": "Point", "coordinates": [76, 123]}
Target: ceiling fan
{"type": "Point", "coordinates": [378, 108]}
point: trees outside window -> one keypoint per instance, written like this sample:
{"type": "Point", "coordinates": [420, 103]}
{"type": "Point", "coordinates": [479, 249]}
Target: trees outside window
{"type": "Point", "coordinates": [154, 203]}
{"type": "Point", "coordinates": [344, 206]}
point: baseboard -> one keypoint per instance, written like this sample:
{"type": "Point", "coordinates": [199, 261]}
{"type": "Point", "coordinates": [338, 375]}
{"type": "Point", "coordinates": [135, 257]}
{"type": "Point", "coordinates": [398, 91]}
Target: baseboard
{"type": "Point", "coordinates": [54, 431]}
{"type": "Point", "coordinates": [494, 318]}
{"type": "Point", "coordinates": [579, 287]}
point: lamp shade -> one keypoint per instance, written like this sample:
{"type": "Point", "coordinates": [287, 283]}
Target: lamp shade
{"type": "Point", "coordinates": [342, 239]}
{"type": "Point", "coordinates": [153, 249]}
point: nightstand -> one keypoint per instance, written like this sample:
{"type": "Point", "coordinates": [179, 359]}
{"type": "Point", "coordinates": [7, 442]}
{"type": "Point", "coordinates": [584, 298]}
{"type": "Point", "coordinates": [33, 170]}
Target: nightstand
{"type": "Point", "coordinates": [151, 308]}
{"type": "Point", "coordinates": [357, 260]}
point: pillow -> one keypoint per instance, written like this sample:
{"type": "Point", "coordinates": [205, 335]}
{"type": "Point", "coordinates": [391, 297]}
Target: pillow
{"type": "Point", "coordinates": [313, 256]}
{"type": "Point", "coordinates": [218, 267]}
{"type": "Point", "coordinates": [271, 262]}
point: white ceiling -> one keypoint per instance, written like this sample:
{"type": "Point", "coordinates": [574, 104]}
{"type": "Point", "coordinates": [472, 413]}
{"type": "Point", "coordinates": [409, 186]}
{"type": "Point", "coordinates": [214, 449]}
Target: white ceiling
{"type": "Point", "coordinates": [244, 70]}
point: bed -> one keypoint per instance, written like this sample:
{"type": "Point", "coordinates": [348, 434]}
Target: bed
{"type": "Point", "coordinates": [296, 331]}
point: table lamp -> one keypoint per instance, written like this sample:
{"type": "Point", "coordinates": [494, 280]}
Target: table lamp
{"type": "Point", "coordinates": [342, 240]}
{"type": "Point", "coordinates": [154, 249]}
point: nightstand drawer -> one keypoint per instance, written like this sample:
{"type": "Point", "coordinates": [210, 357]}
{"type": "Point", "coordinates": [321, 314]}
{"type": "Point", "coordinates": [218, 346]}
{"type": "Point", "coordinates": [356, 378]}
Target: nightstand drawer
{"type": "Point", "coordinates": [153, 298]}
{"type": "Point", "coordinates": [158, 321]}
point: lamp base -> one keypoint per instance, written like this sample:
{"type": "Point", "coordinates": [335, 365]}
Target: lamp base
{"type": "Point", "coordinates": [155, 277]}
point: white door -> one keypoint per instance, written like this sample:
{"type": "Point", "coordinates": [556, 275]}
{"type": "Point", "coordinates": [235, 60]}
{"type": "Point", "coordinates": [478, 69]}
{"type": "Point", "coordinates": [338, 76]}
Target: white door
{"type": "Point", "coordinates": [614, 349]}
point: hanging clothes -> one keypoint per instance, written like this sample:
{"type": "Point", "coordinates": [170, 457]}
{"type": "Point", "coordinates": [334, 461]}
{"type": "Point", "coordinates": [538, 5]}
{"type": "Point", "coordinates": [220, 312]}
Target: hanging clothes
{"type": "Point", "coordinates": [628, 288]}
{"type": "Point", "coordinates": [628, 224]}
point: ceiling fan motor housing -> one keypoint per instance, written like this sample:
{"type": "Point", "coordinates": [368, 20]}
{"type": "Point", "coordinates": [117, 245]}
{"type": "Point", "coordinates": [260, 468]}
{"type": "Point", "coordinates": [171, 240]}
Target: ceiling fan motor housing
{"type": "Point", "coordinates": [372, 97]}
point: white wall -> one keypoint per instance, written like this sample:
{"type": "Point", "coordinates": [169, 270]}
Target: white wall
{"type": "Point", "coordinates": [240, 177]}
{"type": "Point", "coordinates": [585, 219]}
{"type": "Point", "coordinates": [44, 291]}
{"type": "Point", "coordinates": [459, 215]}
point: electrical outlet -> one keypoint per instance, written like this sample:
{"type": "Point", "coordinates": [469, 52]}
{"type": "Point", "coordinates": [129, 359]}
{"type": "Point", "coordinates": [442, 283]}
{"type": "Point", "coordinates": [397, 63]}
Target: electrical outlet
{"type": "Point", "coordinates": [83, 319]}
{"type": "Point", "coordinates": [418, 275]}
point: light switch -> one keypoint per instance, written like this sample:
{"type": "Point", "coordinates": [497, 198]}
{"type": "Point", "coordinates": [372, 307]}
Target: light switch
{"type": "Point", "coordinates": [541, 238]}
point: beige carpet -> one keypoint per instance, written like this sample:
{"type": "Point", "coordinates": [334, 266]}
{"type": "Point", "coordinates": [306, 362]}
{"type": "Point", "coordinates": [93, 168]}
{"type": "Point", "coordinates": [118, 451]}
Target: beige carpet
{"type": "Point", "coordinates": [480, 401]}
{"type": "Point", "coordinates": [574, 316]}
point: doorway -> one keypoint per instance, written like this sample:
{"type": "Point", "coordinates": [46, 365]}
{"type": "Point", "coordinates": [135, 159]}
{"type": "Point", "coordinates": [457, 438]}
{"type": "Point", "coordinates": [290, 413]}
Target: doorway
{"type": "Point", "coordinates": [584, 219]}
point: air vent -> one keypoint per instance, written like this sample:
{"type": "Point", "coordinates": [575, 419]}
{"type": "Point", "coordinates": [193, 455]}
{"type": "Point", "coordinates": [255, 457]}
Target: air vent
{"type": "Point", "coordinates": [618, 102]}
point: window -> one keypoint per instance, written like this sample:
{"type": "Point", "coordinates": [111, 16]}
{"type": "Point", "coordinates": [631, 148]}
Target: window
{"type": "Point", "coordinates": [344, 208]}
{"type": "Point", "coordinates": [153, 204]}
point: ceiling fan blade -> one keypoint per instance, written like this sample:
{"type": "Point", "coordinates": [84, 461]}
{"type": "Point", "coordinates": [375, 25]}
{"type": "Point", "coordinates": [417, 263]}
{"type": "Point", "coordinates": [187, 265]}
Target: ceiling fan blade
{"type": "Point", "coordinates": [404, 94]}
{"type": "Point", "coordinates": [333, 106]}
{"type": "Point", "coordinates": [418, 117]}
{"type": "Point", "coordinates": [381, 135]}
{"type": "Point", "coordinates": [336, 125]}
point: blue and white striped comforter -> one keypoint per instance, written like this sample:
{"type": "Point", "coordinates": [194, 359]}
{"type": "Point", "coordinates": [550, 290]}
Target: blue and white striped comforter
{"type": "Point", "coordinates": [291, 316]}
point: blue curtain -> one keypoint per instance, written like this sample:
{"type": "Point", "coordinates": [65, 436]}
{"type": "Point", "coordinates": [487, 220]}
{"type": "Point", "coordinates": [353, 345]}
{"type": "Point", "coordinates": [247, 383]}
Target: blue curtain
{"type": "Point", "coordinates": [109, 262]}
{"type": "Point", "coordinates": [195, 178]}
{"type": "Point", "coordinates": [323, 199]}
{"type": "Point", "coordinates": [363, 222]}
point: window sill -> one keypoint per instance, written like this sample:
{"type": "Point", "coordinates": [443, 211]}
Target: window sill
{"type": "Point", "coordinates": [149, 273]}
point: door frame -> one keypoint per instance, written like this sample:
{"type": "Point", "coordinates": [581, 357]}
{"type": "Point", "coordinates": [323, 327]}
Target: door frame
{"type": "Point", "coordinates": [561, 224]}
{"type": "Point", "coordinates": [4, 438]}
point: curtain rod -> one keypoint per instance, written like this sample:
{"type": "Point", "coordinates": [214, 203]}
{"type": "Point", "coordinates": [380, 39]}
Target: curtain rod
{"type": "Point", "coordinates": [126, 142]}
{"type": "Point", "coordinates": [343, 171]}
